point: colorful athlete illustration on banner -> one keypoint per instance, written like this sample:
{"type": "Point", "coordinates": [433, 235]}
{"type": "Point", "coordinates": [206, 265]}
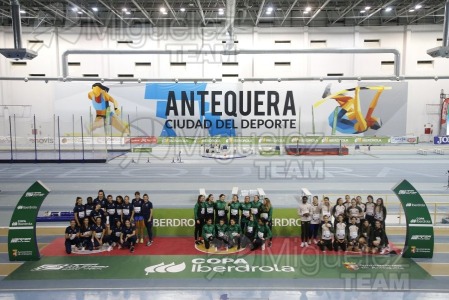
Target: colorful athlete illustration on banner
{"type": "Point", "coordinates": [348, 117]}
{"type": "Point", "coordinates": [100, 101]}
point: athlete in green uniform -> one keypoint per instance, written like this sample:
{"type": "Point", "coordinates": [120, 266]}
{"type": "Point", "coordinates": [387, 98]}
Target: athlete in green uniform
{"type": "Point", "coordinates": [234, 207]}
{"type": "Point", "coordinates": [249, 231]}
{"type": "Point", "coordinates": [220, 210]}
{"type": "Point", "coordinates": [255, 207]}
{"type": "Point", "coordinates": [210, 205]}
{"type": "Point", "coordinates": [208, 233]}
{"type": "Point", "coordinates": [245, 207]}
{"type": "Point", "coordinates": [199, 213]}
{"type": "Point", "coordinates": [234, 234]}
{"type": "Point", "coordinates": [221, 236]}
{"type": "Point", "coordinates": [262, 233]}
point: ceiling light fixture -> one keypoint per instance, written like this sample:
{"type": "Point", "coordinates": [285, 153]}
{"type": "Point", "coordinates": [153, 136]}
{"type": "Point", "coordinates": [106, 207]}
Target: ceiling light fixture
{"type": "Point", "coordinates": [418, 6]}
{"type": "Point", "coordinates": [95, 8]}
{"type": "Point", "coordinates": [388, 9]}
{"type": "Point", "coordinates": [367, 8]}
{"type": "Point", "coordinates": [411, 10]}
{"type": "Point", "coordinates": [362, 11]}
{"type": "Point", "coordinates": [221, 11]}
{"type": "Point", "coordinates": [127, 12]}
{"type": "Point", "coordinates": [308, 8]}
{"type": "Point", "coordinates": [80, 12]}
{"type": "Point", "coordinates": [124, 9]}
{"type": "Point", "coordinates": [75, 9]}
{"type": "Point", "coordinates": [182, 9]}
{"type": "Point", "coordinates": [22, 11]}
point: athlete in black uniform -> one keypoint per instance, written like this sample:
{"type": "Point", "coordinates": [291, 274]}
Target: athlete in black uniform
{"type": "Point", "coordinates": [147, 214]}
{"type": "Point", "coordinates": [97, 213]}
{"type": "Point", "coordinates": [79, 211]}
{"type": "Point", "coordinates": [88, 208]}
{"type": "Point", "coordinates": [100, 199]}
{"type": "Point", "coordinates": [118, 209]}
{"type": "Point", "coordinates": [138, 218]}
{"type": "Point", "coordinates": [72, 234]}
{"type": "Point", "coordinates": [86, 234]}
{"type": "Point", "coordinates": [378, 239]}
{"type": "Point", "coordinates": [110, 210]}
{"type": "Point", "coordinates": [128, 210]}
{"type": "Point", "coordinates": [98, 233]}
{"type": "Point", "coordinates": [365, 235]}
{"type": "Point", "coordinates": [128, 238]}
{"type": "Point", "coordinates": [116, 232]}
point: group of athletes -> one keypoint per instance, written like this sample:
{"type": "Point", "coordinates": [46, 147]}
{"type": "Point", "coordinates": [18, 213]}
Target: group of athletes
{"type": "Point", "coordinates": [228, 224]}
{"type": "Point", "coordinates": [358, 226]}
{"type": "Point", "coordinates": [122, 222]}
{"type": "Point", "coordinates": [105, 221]}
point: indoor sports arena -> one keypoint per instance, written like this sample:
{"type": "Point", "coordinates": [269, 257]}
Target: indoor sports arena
{"type": "Point", "coordinates": [234, 149]}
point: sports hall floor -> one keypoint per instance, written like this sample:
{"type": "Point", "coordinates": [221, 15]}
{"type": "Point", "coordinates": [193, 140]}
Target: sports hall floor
{"type": "Point", "coordinates": [176, 185]}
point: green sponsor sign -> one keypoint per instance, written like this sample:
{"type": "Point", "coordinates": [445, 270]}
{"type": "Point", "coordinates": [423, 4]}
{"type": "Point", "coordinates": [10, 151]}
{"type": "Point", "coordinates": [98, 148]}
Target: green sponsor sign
{"type": "Point", "coordinates": [180, 222]}
{"type": "Point", "coordinates": [142, 150]}
{"type": "Point", "coordinates": [419, 240]}
{"type": "Point", "coordinates": [22, 244]}
{"type": "Point", "coordinates": [221, 267]}
{"type": "Point", "coordinates": [270, 152]}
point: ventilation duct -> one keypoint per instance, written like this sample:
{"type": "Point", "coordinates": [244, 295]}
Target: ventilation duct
{"type": "Point", "coordinates": [443, 51]}
{"type": "Point", "coordinates": [18, 52]}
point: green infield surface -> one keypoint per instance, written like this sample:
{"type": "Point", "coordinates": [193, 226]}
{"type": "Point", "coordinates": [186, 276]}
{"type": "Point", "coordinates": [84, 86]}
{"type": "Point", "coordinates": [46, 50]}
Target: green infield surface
{"type": "Point", "coordinates": [225, 267]}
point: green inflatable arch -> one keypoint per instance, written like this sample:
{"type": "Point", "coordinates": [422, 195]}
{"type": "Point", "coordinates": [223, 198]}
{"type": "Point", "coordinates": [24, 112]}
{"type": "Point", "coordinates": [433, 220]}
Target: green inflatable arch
{"type": "Point", "coordinates": [22, 243]}
{"type": "Point", "coordinates": [419, 240]}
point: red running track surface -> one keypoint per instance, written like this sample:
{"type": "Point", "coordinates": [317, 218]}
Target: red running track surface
{"type": "Point", "coordinates": [186, 246]}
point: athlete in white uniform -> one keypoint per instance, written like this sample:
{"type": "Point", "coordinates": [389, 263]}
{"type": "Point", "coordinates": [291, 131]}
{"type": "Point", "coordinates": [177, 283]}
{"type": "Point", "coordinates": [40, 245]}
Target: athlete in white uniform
{"type": "Point", "coordinates": [316, 220]}
{"type": "Point", "coordinates": [353, 235]}
{"type": "Point", "coordinates": [326, 234]}
{"type": "Point", "coordinates": [340, 240]}
{"type": "Point", "coordinates": [326, 209]}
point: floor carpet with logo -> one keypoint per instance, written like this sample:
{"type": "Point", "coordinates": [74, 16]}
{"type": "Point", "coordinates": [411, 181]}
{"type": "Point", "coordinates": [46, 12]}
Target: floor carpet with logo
{"type": "Point", "coordinates": [177, 263]}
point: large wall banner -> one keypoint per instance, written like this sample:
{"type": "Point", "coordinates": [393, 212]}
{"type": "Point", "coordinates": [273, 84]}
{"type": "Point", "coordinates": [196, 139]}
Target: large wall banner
{"type": "Point", "coordinates": [22, 244]}
{"type": "Point", "coordinates": [419, 241]}
{"type": "Point", "coordinates": [234, 109]}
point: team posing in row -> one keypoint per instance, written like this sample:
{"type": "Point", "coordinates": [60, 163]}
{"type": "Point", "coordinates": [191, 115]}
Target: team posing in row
{"type": "Point", "coordinates": [228, 224]}
{"type": "Point", "coordinates": [118, 222]}
{"type": "Point", "coordinates": [357, 226]}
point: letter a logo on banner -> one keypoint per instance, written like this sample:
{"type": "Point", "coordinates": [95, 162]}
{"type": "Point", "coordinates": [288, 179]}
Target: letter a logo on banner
{"type": "Point", "coordinates": [22, 244]}
{"type": "Point", "coordinates": [419, 241]}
